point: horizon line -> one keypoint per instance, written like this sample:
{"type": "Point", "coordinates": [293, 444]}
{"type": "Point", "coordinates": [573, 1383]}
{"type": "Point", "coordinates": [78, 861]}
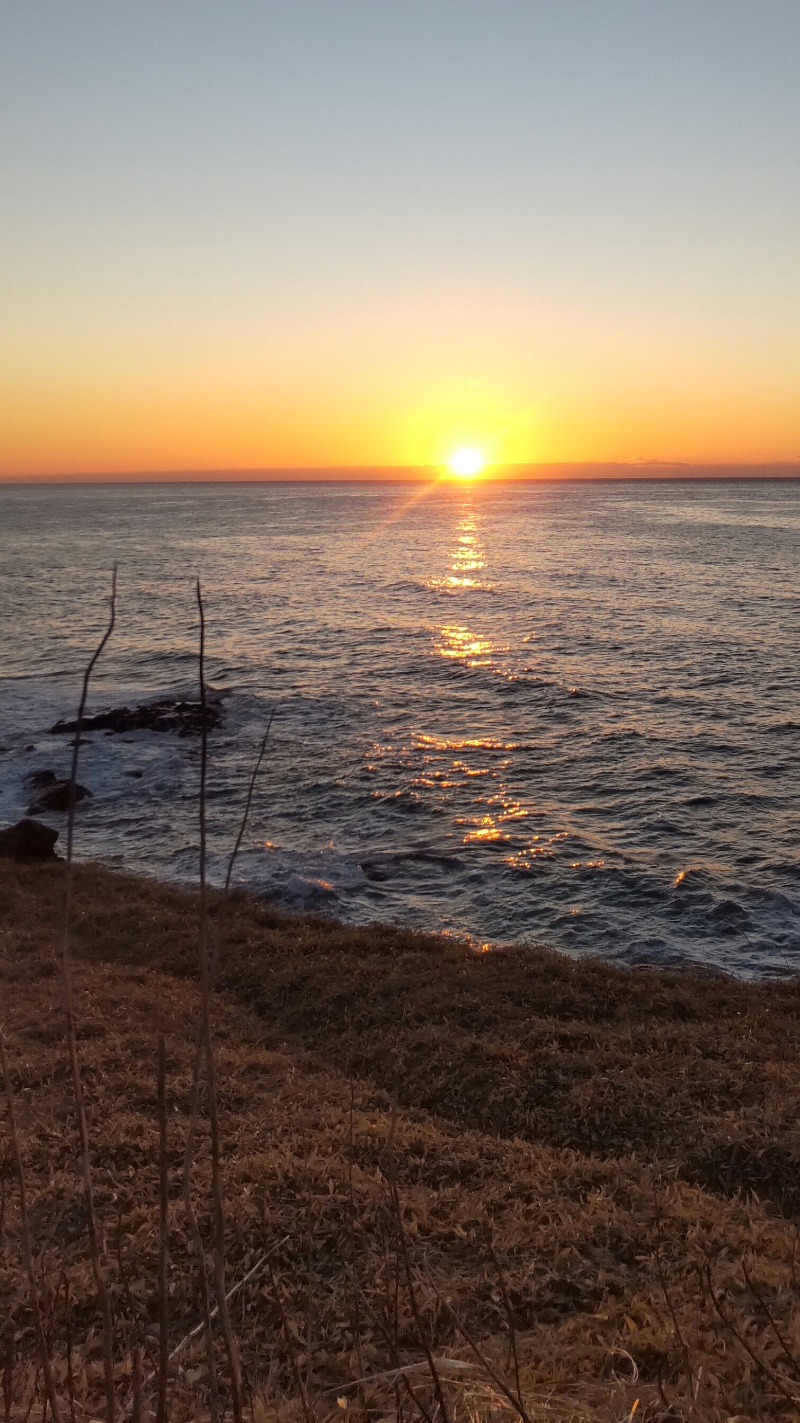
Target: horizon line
{"type": "Point", "coordinates": [577, 470]}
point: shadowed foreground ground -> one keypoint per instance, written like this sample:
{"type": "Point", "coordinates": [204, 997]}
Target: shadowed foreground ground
{"type": "Point", "coordinates": [603, 1164]}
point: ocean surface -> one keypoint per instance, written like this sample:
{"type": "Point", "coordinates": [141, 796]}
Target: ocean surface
{"type": "Point", "coordinates": [565, 714]}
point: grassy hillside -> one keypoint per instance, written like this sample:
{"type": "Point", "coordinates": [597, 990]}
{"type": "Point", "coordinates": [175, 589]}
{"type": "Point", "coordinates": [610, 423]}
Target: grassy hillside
{"type": "Point", "coordinates": [485, 1154]}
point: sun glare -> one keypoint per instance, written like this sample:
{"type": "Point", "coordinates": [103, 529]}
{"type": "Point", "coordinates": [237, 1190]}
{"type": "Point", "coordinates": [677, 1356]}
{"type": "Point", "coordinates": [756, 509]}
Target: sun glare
{"type": "Point", "coordinates": [466, 463]}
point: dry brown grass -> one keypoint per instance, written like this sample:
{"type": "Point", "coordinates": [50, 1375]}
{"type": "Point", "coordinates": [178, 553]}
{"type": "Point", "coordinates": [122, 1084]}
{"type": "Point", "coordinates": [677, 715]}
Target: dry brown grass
{"type": "Point", "coordinates": [596, 1156]}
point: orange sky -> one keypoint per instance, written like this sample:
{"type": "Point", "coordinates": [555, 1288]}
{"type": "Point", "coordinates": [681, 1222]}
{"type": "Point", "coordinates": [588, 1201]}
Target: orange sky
{"type": "Point", "coordinates": [248, 241]}
{"type": "Point", "coordinates": [395, 388]}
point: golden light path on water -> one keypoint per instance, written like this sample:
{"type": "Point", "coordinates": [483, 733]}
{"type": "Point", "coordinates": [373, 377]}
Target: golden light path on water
{"type": "Point", "coordinates": [502, 821]}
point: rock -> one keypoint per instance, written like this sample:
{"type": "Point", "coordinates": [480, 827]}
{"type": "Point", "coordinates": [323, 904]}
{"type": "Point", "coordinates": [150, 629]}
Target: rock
{"type": "Point", "coordinates": [56, 795]}
{"type": "Point", "coordinates": [42, 778]}
{"type": "Point", "coordinates": [374, 871]}
{"type": "Point", "coordinates": [28, 840]}
{"type": "Point", "coordinates": [137, 775]}
{"type": "Point", "coordinates": [169, 715]}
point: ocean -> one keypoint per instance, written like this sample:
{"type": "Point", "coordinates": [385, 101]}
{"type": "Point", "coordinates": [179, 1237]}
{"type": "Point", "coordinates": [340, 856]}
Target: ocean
{"type": "Point", "coordinates": [558, 713]}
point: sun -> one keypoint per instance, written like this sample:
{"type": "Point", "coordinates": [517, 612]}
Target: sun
{"type": "Point", "coordinates": [467, 462]}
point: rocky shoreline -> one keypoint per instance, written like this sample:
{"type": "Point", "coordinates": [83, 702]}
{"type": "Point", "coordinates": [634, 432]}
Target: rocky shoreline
{"type": "Point", "coordinates": [187, 718]}
{"type": "Point", "coordinates": [51, 793]}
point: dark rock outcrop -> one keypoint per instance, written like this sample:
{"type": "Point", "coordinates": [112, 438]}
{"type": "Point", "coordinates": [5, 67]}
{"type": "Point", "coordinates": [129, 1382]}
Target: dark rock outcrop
{"type": "Point", "coordinates": [57, 795]}
{"type": "Point", "coordinates": [39, 779]}
{"type": "Point", "coordinates": [184, 717]}
{"type": "Point", "coordinates": [28, 840]}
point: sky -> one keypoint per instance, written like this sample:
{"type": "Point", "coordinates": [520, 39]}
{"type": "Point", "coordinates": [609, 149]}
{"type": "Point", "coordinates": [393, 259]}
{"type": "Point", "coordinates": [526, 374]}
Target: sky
{"type": "Point", "coordinates": [298, 234]}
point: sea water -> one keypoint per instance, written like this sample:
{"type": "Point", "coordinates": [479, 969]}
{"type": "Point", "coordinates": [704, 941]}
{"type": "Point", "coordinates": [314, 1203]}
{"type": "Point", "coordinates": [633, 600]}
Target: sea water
{"type": "Point", "coordinates": [553, 713]}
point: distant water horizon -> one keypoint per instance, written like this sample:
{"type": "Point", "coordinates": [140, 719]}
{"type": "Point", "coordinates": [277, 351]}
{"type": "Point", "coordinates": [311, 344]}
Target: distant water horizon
{"type": "Point", "coordinates": [567, 471]}
{"type": "Point", "coordinates": [547, 712]}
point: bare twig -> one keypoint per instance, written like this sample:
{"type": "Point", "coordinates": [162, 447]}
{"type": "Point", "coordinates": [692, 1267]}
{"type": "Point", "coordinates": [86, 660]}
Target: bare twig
{"type": "Point", "coordinates": [248, 802]}
{"type": "Point", "coordinates": [497, 1379]}
{"type": "Point", "coordinates": [188, 1155]}
{"type": "Point", "coordinates": [194, 1097]}
{"type": "Point", "coordinates": [8, 1369]}
{"type": "Point", "coordinates": [210, 1316]}
{"type": "Point", "coordinates": [754, 1290]}
{"type": "Point", "coordinates": [72, 1038]}
{"type": "Point", "coordinates": [287, 1329]}
{"type": "Point", "coordinates": [447, 1366]}
{"type": "Point", "coordinates": [354, 1274]}
{"type": "Point", "coordinates": [309, 1326]}
{"type": "Point", "coordinates": [760, 1363]}
{"type": "Point", "coordinates": [123, 1274]}
{"type": "Point", "coordinates": [240, 1284]}
{"type": "Point", "coordinates": [27, 1249]}
{"type": "Point", "coordinates": [670, 1306]}
{"type": "Point", "coordinates": [659, 1217]}
{"type": "Point", "coordinates": [163, 1235]}
{"type": "Point", "coordinates": [512, 1328]}
{"type": "Point", "coordinates": [404, 1255]}
{"type": "Point", "coordinates": [136, 1407]}
{"type": "Point", "coordinates": [68, 1332]}
{"type": "Point", "coordinates": [388, 1325]}
{"type": "Point", "coordinates": [388, 1328]}
{"type": "Point", "coordinates": [73, 775]}
{"type": "Point", "coordinates": [34, 1394]}
{"type": "Point", "coordinates": [211, 1075]}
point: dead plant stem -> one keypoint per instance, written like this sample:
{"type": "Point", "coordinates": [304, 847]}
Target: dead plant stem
{"type": "Point", "coordinates": [163, 1235]}
{"type": "Point", "coordinates": [72, 1037]}
{"type": "Point", "coordinates": [27, 1248]}
{"type": "Point", "coordinates": [211, 1076]}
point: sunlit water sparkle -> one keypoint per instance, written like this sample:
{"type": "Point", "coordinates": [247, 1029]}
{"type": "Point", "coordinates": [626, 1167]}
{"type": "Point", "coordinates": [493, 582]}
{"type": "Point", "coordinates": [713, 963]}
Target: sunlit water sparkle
{"type": "Point", "coordinates": [563, 714]}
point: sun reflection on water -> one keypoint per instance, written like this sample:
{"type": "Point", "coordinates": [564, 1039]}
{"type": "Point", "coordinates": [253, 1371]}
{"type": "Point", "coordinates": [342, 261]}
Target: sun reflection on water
{"type": "Point", "coordinates": [457, 641]}
{"type": "Point", "coordinates": [463, 645]}
{"type": "Point", "coordinates": [467, 557]}
{"type": "Point", "coordinates": [439, 768]}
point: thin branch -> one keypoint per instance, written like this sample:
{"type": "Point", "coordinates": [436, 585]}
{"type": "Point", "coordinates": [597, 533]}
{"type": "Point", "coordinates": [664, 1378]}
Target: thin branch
{"type": "Point", "coordinates": [240, 1284]}
{"type": "Point", "coordinates": [73, 775]}
{"type": "Point", "coordinates": [287, 1329]}
{"type": "Point", "coordinates": [72, 1039]}
{"type": "Point", "coordinates": [771, 1320]}
{"type": "Point", "coordinates": [34, 1394]}
{"type": "Point", "coordinates": [354, 1272]}
{"type": "Point", "coordinates": [215, 952]}
{"type": "Point", "coordinates": [412, 1294]}
{"type": "Point", "coordinates": [496, 1378]}
{"type": "Point", "coordinates": [136, 1414]}
{"type": "Point", "coordinates": [760, 1364]}
{"type": "Point", "coordinates": [454, 1366]}
{"type": "Point", "coordinates": [512, 1329]}
{"type": "Point", "coordinates": [211, 1075]}
{"type": "Point", "coordinates": [27, 1250]}
{"type": "Point", "coordinates": [248, 802]}
{"type": "Point", "coordinates": [388, 1325]}
{"type": "Point", "coordinates": [163, 1235]}
{"type": "Point", "coordinates": [659, 1217]}
{"type": "Point", "coordinates": [671, 1307]}
{"type": "Point", "coordinates": [8, 1369]}
{"type": "Point", "coordinates": [205, 1325]}
{"type": "Point", "coordinates": [194, 1098]}
{"type": "Point", "coordinates": [68, 1341]}
{"type": "Point", "coordinates": [188, 1155]}
{"type": "Point", "coordinates": [206, 1321]}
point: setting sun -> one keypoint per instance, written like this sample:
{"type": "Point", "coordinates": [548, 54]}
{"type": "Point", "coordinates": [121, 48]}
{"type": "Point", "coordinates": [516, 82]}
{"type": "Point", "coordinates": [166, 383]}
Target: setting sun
{"type": "Point", "coordinates": [467, 463]}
